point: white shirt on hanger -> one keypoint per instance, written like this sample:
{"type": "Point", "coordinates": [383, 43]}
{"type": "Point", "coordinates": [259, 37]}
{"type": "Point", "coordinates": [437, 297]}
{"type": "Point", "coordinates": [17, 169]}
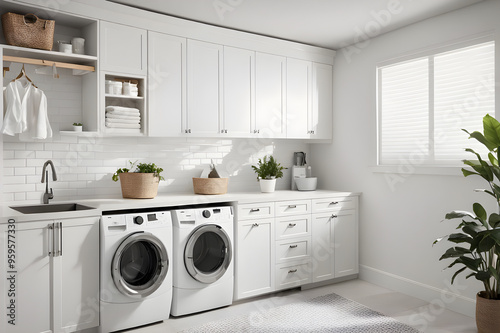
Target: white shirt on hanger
{"type": "Point", "coordinates": [26, 111]}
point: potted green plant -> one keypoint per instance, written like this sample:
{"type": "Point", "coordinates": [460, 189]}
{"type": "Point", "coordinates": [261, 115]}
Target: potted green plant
{"type": "Point", "coordinates": [142, 183]}
{"type": "Point", "coordinates": [268, 170]}
{"type": "Point", "coordinates": [77, 127]}
{"type": "Point", "coordinates": [477, 244]}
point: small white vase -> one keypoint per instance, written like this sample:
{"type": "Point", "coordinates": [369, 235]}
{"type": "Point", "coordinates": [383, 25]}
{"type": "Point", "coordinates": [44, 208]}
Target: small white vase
{"type": "Point", "coordinates": [267, 185]}
{"type": "Point", "coordinates": [77, 128]}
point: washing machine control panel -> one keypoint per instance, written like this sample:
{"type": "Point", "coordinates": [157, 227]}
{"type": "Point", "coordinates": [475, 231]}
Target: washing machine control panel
{"type": "Point", "coordinates": [138, 220]}
{"type": "Point", "coordinates": [122, 223]}
{"type": "Point", "coordinates": [206, 213]}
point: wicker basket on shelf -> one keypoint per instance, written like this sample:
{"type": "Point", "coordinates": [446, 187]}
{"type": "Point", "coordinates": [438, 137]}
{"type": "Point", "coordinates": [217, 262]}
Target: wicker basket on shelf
{"type": "Point", "coordinates": [28, 31]}
{"type": "Point", "coordinates": [137, 185]}
{"type": "Point", "coordinates": [210, 185]}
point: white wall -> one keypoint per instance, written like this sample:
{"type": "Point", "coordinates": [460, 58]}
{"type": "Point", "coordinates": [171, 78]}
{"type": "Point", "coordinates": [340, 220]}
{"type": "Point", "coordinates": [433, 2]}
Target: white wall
{"type": "Point", "coordinates": [84, 165]}
{"type": "Point", "coordinates": [399, 222]}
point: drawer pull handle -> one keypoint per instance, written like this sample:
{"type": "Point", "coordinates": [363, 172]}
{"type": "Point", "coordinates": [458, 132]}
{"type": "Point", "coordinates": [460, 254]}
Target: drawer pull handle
{"type": "Point", "coordinates": [334, 203]}
{"type": "Point", "coordinates": [292, 206]}
{"type": "Point", "coordinates": [253, 210]}
{"type": "Point", "coordinates": [293, 246]}
{"type": "Point", "coordinates": [291, 225]}
{"type": "Point", "coordinates": [255, 225]}
{"type": "Point", "coordinates": [333, 216]}
{"type": "Point", "coordinates": [292, 270]}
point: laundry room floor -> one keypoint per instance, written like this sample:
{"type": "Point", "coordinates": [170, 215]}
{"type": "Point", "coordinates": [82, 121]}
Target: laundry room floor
{"type": "Point", "coordinates": [409, 310]}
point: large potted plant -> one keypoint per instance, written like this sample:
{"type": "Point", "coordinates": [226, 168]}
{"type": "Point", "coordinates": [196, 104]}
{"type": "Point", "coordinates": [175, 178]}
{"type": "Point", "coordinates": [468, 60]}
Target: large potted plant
{"type": "Point", "coordinates": [477, 246]}
{"type": "Point", "coordinates": [268, 170]}
{"type": "Point", "coordinates": [142, 183]}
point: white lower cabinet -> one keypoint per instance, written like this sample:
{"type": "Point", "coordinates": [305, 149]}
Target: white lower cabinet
{"type": "Point", "coordinates": [254, 257]}
{"type": "Point", "coordinates": [50, 277]}
{"type": "Point", "coordinates": [286, 244]}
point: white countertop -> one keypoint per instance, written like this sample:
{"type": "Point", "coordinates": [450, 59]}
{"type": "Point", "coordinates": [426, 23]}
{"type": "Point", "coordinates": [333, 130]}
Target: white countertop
{"type": "Point", "coordinates": [162, 200]}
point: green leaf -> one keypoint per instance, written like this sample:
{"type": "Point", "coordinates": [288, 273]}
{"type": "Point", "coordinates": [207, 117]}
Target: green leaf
{"type": "Point", "coordinates": [480, 212]}
{"type": "Point", "coordinates": [459, 238]}
{"type": "Point", "coordinates": [496, 171]}
{"type": "Point", "coordinates": [483, 275]}
{"type": "Point", "coordinates": [455, 252]}
{"type": "Point", "coordinates": [486, 243]}
{"type": "Point", "coordinates": [493, 159]}
{"type": "Point", "coordinates": [494, 273]}
{"type": "Point", "coordinates": [456, 273]}
{"type": "Point", "coordinates": [480, 137]}
{"type": "Point", "coordinates": [466, 172]}
{"type": "Point", "coordinates": [472, 264]}
{"type": "Point", "coordinates": [458, 214]}
{"type": "Point", "coordinates": [491, 129]}
{"type": "Point", "coordinates": [494, 220]}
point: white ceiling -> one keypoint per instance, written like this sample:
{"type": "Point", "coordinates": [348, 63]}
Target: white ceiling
{"type": "Point", "coordinates": [326, 23]}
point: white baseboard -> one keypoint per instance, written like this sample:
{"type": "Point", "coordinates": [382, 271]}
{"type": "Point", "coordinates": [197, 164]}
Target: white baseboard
{"type": "Point", "coordinates": [438, 298]}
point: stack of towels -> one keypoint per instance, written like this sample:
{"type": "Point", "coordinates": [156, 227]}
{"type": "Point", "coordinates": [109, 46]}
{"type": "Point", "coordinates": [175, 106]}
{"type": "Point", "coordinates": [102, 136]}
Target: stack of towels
{"type": "Point", "coordinates": [122, 117]}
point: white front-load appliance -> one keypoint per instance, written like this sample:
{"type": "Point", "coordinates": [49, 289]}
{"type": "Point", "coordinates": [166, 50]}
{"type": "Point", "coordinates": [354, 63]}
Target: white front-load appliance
{"type": "Point", "coordinates": [203, 259]}
{"type": "Point", "coordinates": [136, 269]}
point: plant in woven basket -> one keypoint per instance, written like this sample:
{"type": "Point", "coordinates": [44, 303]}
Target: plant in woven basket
{"type": "Point", "coordinates": [477, 244]}
{"type": "Point", "coordinates": [140, 168]}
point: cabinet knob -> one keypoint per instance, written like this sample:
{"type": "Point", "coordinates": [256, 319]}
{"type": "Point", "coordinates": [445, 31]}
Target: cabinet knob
{"type": "Point", "coordinates": [292, 206]}
{"type": "Point", "coordinates": [292, 270]}
{"type": "Point", "coordinates": [293, 246]}
{"type": "Point", "coordinates": [255, 225]}
{"type": "Point", "coordinates": [333, 216]}
{"type": "Point", "coordinates": [291, 225]}
{"type": "Point", "coordinates": [253, 210]}
{"type": "Point", "coordinates": [334, 203]}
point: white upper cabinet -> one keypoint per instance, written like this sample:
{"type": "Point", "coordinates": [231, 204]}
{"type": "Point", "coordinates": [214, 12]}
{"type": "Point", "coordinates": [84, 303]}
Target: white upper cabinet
{"type": "Point", "coordinates": [123, 49]}
{"type": "Point", "coordinates": [167, 84]}
{"type": "Point", "coordinates": [309, 100]}
{"type": "Point", "coordinates": [239, 92]}
{"type": "Point", "coordinates": [204, 88]}
{"type": "Point", "coordinates": [270, 87]}
{"type": "Point", "coordinates": [320, 118]}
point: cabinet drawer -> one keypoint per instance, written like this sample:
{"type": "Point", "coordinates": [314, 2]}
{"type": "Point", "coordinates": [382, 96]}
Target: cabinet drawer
{"type": "Point", "coordinates": [333, 203]}
{"type": "Point", "coordinates": [255, 211]}
{"type": "Point", "coordinates": [293, 249]}
{"type": "Point", "coordinates": [287, 227]}
{"type": "Point", "coordinates": [287, 208]}
{"type": "Point", "coordinates": [293, 275]}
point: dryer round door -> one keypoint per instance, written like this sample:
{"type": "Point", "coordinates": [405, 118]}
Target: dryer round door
{"type": "Point", "coordinates": [140, 265]}
{"type": "Point", "coordinates": [208, 253]}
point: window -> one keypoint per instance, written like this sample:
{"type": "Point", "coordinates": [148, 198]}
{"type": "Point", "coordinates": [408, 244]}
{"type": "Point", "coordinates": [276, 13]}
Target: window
{"type": "Point", "coordinates": [424, 102]}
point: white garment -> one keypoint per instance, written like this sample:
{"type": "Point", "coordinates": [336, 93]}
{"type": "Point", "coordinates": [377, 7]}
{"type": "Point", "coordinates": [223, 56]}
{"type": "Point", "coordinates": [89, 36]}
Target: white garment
{"type": "Point", "coordinates": [26, 111]}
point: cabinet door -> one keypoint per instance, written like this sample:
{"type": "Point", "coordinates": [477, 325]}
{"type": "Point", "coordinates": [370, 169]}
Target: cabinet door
{"type": "Point", "coordinates": [122, 48]}
{"type": "Point", "coordinates": [254, 258]}
{"type": "Point", "coordinates": [166, 85]}
{"type": "Point", "coordinates": [322, 247]}
{"type": "Point", "coordinates": [298, 97]}
{"type": "Point", "coordinates": [204, 82]}
{"type": "Point", "coordinates": [346, 243]}
{"type": "Point", "coordinates": [25, 286]}
{"type": "Point", "coordinates": [239, 81]}
{"type": "Point", "coordinates": [77, 276]}
{"type": "Point", "coordinates": [320, 118]}
{"type": "Point", "coordinates": [270, 87]}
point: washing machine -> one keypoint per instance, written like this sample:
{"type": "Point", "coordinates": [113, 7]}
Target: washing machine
{"type": "Point", "coordinates": [136, 269]}
{"type": "Point", "coordinates": [203, 259]}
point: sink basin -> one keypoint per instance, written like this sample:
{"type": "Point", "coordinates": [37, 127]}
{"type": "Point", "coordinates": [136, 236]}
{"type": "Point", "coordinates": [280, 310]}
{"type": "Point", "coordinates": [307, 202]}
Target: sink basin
{"type": "Point", "coordinates": [55, 208]}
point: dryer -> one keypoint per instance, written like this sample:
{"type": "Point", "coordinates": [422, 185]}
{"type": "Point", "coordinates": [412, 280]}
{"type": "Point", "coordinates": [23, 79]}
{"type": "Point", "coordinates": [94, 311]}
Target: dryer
{"type": "Point", "coordinates": [203, 259]}
{"type": "Point", "coordinates": [136, 269]}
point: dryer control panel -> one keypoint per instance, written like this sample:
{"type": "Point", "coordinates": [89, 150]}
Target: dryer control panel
{"type": "Point", "coordinates": [136, 221]}
{"type": "Point", "coordinates": [195, 216]}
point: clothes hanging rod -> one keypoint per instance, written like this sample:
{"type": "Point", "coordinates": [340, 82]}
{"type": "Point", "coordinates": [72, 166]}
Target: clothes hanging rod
{"type": "Point", "coordinates": [42, 62]}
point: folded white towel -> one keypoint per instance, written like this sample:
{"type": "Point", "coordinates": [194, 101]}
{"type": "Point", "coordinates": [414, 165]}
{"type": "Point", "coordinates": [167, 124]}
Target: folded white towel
{"type": "Point", "coordinates": [120, 116]}
{"type": "Point", "coordinates": [122, 121]}
{"type": "Point", "coordinates": [114, 125]}
{"type": "Point", "coordinates": [122, 109]}
{"type": "Point", "coordinates": [125, 113]}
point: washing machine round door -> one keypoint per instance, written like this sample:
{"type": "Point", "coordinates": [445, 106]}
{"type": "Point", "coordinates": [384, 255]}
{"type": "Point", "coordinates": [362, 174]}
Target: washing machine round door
{"type": "Point", "coordinates": [208, 253]}
{"type": "Point", "coordinates": [140, 265]}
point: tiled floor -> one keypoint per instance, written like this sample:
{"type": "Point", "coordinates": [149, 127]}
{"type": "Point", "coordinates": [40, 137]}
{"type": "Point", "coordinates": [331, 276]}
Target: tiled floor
{"type": "Point", "coordinates": [409, 310]}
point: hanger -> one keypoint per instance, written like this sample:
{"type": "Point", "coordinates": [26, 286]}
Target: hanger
{"type": "Point", "coordinates": [23, 73]}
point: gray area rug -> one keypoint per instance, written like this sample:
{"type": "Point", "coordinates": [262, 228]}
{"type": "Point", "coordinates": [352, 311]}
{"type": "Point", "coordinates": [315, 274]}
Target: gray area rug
{"type": "Point", "coordinates": [329, 313]}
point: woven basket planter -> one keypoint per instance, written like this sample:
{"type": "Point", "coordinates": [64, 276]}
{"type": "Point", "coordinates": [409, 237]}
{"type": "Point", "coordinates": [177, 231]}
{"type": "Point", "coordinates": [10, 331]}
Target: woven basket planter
{"type": "Point", "coordinates": [487, 314]}
{"type": "Point", "coordinates": [210, 185]}
{"type": "Point", "coordinates": [28, 31]}
{"type": "Point", "coordinates": [139, 185]}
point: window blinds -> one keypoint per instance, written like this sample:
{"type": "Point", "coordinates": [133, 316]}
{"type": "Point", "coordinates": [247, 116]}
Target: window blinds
{"type": "Point", "coordinates": [425, 102]}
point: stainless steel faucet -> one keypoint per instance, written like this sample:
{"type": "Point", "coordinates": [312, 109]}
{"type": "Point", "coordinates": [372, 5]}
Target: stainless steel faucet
{"type": "Point", "coordinates": [45, 175]}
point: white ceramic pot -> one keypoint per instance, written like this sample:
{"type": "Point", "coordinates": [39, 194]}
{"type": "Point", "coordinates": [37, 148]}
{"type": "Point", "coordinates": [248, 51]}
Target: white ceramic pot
{"type": "Point", "coordinates": [77, 128]}
{"type": "Point", "coordinates": [267, 185]}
